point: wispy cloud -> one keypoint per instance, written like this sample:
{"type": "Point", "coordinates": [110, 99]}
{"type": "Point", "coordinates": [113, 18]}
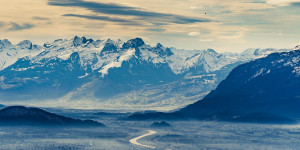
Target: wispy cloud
{"type": "Point", "coordinates": [104, 18]}
{"type": "Point", "coordinates": [206, 40]}
{"type": "Point", "coordinates": [259, 1]}
{"type": "Point", "coordinates": [155, 30]}
{"type": "Point", "coordinates": [40, 18]}
{"type": "Point", "coordinates": [296, 4]}
{"type": "Point", "coordinates": [1, 24]}
{"type": "Point", "coordinates": [120, 10]}
{"type": "Point", "coordinates": [283, 2]}
{"type": "Point", "coordinates": [17, 27]}
{"type": "Point", "coordinates": [231, 24]}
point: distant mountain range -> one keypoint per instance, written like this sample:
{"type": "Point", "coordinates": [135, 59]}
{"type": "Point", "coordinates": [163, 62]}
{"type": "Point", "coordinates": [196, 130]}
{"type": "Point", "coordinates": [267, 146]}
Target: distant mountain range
{"type": "Point", "coordinates": [20, 115]}
{"type": "Point", "coordinates": [265, 90]}
{"type": "Point", "coordinates": [107, 74]}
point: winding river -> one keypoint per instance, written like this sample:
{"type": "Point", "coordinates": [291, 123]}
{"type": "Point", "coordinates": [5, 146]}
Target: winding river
{"type": "Point", "coordinates": [134, 140]}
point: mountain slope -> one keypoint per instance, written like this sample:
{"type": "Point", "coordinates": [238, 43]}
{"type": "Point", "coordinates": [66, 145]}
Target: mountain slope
{"type": "Point", "coordinates": [19, 115]}
{"type": "Point", "coordinates": [266, 85]}
{"type": "Point", "coordinates": [265, 90]}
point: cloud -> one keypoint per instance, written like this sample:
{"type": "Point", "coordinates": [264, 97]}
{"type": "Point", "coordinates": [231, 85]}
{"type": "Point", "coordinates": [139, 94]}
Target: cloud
{"type": "Point", "coordinates": [262, 2]}
{"type": "Point", "coordinates": [194, 33]}
{"type": "Point", "coordinates": [105, 18]}
{"type": "Point", "coordinates": [206, 40]}
{"type": "Point", "coordinates": [283, 2]}
{"type": "Point", "coordinates": [296, 4]}
{"type": "Point", "coordinates": [40, 18]}
{"type": "Point", "coordinates": [155, 30]}
{"type": "Point", "coordinates": [1, 24]}
{"type": "Point", "coordinates": [233, 35]}
{"type": "Point", "coordinates": [116, 9]}
{"type": "Point", "coordinates": [17, 27]}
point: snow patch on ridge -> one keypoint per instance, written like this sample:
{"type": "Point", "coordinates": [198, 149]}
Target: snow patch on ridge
{"type": "Point", "coordinates": [297, 71]}
{"type": "Point", "coordinates": [117, 63]}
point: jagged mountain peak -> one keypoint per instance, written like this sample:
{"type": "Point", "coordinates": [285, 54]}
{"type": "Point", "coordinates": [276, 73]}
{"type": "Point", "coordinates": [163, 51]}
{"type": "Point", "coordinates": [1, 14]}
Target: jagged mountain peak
{"type": "Point", "coordinates": [81, 42]}
{"type": "Point", "coordinates": [212, 51]}
{"type": "Point", "coordinates": [26, 44]}
{"type": "Point", "coordinates": [162, 51]}
{"type": "Point", "coordinates": [5, 44]}
{"type": "Point", "coordinates": [78, 41]}
{"type": "Point", "coordinates": [297, 47]}
{"type": "Point", "coordinates": [109, 41]}
{"type": "Point", "coordinates": [133, 43]}
{"type": "Point", "coordinates": [57, 40]}
{"type": "Point", "coordinates": [158, 45]}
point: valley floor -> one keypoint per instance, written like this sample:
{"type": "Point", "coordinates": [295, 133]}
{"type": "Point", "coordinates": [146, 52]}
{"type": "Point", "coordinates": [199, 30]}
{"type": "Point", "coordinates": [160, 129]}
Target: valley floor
{"type": "Point", "coordinates": [182, 135]}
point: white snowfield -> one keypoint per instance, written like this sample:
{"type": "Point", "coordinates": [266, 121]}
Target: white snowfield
{"type": "Point", "coordinates": [117, 63]}
{"type": "Point", "coordinates": [134, 140]}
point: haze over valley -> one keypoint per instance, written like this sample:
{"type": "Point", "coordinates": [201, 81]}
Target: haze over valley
{"type": "Point", "coordinates": [136, 74]}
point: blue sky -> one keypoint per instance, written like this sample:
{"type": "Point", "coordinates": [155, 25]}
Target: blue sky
{"type": "Point", "coordinates": [231, 25]}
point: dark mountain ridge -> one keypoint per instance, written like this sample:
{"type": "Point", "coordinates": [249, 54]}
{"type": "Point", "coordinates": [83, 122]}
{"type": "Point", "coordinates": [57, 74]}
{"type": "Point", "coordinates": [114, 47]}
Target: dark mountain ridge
{"type": "Point", "coordinates": [20, 115]}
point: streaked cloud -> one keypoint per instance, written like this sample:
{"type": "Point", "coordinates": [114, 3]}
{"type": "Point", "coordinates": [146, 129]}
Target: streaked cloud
{"type": "Point", "coordinates": [296, 4]}
{"type": "Point", "coordinates": [190, 24]}
{"type": "Point", "coordinates": [122, 10]}
{"type": "Point", "coordinates": [40, 18]}
{"type": "Point", "coordinates": [206, 40]}
{"type": "Point", "coordinates": [283, 2]}
{"type": "Point", "coordinates": [105, 18]}
{"type": "Point", "coordinates": [155, 30]}
{"type": "Point", "coordinates": [17, 27]}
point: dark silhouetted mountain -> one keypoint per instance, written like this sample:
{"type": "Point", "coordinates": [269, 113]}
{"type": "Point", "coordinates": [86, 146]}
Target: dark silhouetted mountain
{"type": "Point", "coordinates": [262, 117]}
{"type": "Point", "coordinates": [156, 116]}
{"type": "Point", "coordinates": [160, 124]}
{"type": "Point", "coordinates": [20, 115]}
{"type": "Point", "coordinates": [265, 90]}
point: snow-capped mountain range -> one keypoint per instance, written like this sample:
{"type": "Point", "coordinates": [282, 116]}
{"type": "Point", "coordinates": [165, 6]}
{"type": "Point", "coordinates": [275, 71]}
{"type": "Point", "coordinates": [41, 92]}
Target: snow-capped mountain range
{"type": "Point", "coordinates": [108, 74]}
